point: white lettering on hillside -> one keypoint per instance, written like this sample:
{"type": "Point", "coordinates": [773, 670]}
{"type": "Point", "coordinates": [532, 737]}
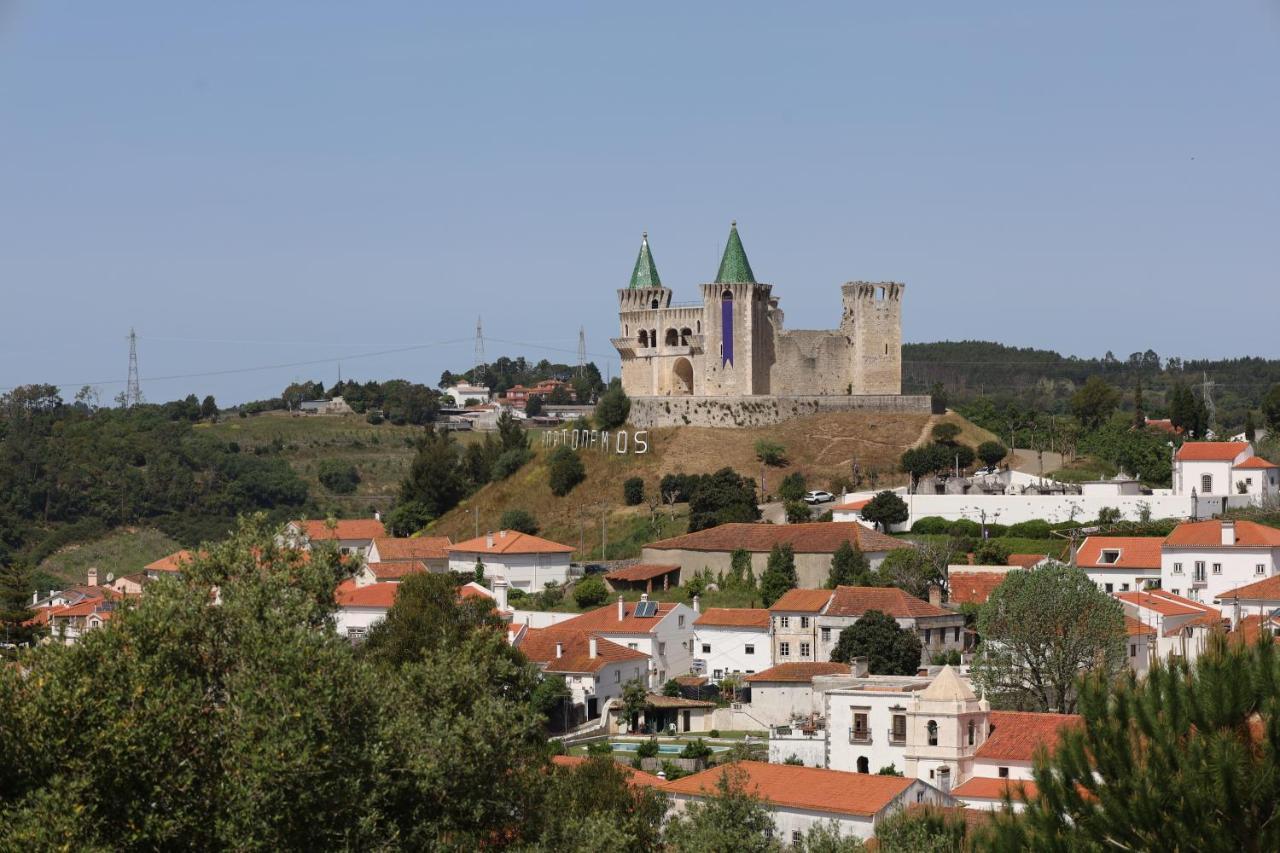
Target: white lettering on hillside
{"type": "Point", "coordinates": [603, 441]}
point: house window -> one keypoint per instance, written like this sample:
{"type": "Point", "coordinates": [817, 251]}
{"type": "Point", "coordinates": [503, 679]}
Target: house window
{"type": "Point", "coordinates": [1206, 484]}
{"type": "Point", "coordinates": [1124, 587]}
{"type": "Point", "coordinates": [680, 621]}
{"type": "Point", "coordinates": [826, 635]}
{"type": "Point", "coordinates": [718, 674]}
{"type": "Point", "coordinates": [784, 621]}
{"type": "Point", "coordinates": [1260, 569]}
{"type": "Point", "coordinates": [784, 650]}
{"type": "Point", "coordinates": [928, 635]}
{"type": "Point", "coordinates": [973, 731]}
{"type": "Point", "coordinates": [1199, 575]}
{"type": "Point", "coordinates": [1109, 556]}
{"type": "Point", "coordinates": [662, 649]}
{"type": "Point", "coordinates": [1133, 650]}
{"type": "Point", "coordinates": [804, 650]}
{"type": "Point", "coordinates": [804, 621]}
{"type": "Point", "coordinates": [632, 646]}
{"type": "Point", "coordinates": [1108, 587]}
{"type": "Point", "coordinates": [1003, 772]}
{"type": "Point", "coordinates": [706, 648]}
{"type": "Point", "coordinates": [617, 676]}
{"type": "Point", "coordinates": [749, 649]}
{"type": "Point", "coordinates": [932, 729]}
{"type": "Point", "coordinates": [796, 837]}
{"type": "Point", "coordinates": [956, 637]}
{"type": "Point", "coordinates": [861, 731]}
{"type": "Point", "coordinates": [1175, 592]}
{"type": "Point", "coordinates": [1217, 568]}
{"type": "Point", "coordinates": [1248, 481]}
{"type": "Point", "coordinates": [1177, 568]}
{"type": "Point", "coordinates": [899, 732]}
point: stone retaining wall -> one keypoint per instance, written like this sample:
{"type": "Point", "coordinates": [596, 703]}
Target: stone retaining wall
{"type": "Point", "coordinates": [652, 412]}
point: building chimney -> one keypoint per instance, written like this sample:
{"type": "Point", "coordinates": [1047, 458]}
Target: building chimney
{"type": "Point", "coordinates": [377, 515]}
{"type": "Point", "coordinates": [622, 609]}
{"type": "Point", "coordinates": [860, 667]}
{"type": "Point", "coordinates": [500, 592]}
{"type": "Point", "coordinates": [592, 648]}
{"type": "Point", "coordinates": [935, 595]}
{"type": "Point", "coordinates": [559, 650]}
{"type": "Point", "coordinates": [1228, 532]}
{"type": "Point", "coordinates": [697, 604]}
{"type": "Point", "coordinates": [35, 597]}
{"type": "Point", "coordinates": [488, 540]}
{"type": "Point", "coordinates": [502, 534]}
{"type": "Point", "coordinates": [92, 578]}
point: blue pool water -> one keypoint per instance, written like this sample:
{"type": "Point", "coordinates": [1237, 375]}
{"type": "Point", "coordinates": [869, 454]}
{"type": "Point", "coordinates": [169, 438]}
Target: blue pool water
{"type": "Point", "coordinates": [663, 748]}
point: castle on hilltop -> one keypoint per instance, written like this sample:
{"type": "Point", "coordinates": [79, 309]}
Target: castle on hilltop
{"type": "Point", "coordinates": [731, 346]}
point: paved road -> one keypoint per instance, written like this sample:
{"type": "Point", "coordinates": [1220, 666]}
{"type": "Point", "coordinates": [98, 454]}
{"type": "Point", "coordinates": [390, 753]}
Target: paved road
{"type": "Point", "coordinates": [774, 511]}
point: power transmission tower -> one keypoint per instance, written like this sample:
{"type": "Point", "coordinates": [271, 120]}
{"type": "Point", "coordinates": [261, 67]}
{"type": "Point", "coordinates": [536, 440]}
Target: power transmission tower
{"type": "Point", "coordinates": [477, 375]}
{"type": "Point", "coordinates": [582, 349]}
{"type": "Point", "coordinates": [133, 390]}
{"type": "Point", "coordinates": [1207, 393]}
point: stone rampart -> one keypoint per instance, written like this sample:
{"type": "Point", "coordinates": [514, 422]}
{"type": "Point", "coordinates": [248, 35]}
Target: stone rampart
{"type": "Point", "coordinates": [764, 410]}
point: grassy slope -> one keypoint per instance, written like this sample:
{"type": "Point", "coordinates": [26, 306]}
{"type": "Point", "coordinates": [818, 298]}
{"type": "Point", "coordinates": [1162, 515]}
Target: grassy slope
{"type": "Point", "coordinates": [120, 552]}
{"type": "Point", "coordinates": [822, 447]}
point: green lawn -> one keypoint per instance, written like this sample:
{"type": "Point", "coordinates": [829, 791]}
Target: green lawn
{"type": "Point", "coordinates": [1016, 545]}
{"type": "Point", "coordinates": [120, 552]}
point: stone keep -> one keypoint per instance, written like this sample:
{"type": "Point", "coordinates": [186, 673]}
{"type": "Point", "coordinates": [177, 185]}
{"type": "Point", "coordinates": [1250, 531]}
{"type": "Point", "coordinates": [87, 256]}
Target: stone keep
{"type": "Point", "coordinates": [732, 343]}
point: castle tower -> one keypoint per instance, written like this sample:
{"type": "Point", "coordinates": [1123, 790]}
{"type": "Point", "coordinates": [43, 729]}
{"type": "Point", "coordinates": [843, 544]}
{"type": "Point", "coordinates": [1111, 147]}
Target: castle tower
{"type": "Point", "coordinates": [640, 308]}
{"type": "Point", "coordinates": [738, 335]}
{"type": "Point", "coordinates": [946, 723]}
{"type": "Point", "coordinates": [872, 322]}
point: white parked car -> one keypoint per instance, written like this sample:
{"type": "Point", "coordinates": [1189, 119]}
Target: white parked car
{"type": "Point", "coordinates": [818, 497]}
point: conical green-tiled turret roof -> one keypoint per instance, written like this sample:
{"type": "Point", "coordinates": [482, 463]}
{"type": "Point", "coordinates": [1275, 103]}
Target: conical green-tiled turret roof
{"type": "Point", "coordinates": [646, 272]}
{"type": "Point", "coordinates": [734, 267]}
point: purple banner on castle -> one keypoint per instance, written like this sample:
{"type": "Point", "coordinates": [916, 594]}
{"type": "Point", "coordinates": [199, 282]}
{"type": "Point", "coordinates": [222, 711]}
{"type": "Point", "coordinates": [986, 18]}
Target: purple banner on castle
{"type": "Point", "coordinates": [726, 331]}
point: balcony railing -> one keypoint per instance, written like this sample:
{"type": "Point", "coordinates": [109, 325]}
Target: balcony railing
{"type": "Point", "coordinates": [859, 736]}
{"type": "Point", "coordinates": [897, 738]}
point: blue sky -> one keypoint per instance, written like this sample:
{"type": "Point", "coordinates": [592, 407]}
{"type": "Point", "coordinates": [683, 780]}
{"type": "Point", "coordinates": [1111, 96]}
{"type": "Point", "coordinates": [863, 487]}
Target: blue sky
{"type": "Point", "coordinates": [254, 184]}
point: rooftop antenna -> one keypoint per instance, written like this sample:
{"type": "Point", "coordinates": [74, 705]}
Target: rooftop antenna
{"type": "Point", "coordinates": [478, 373]}
{"type": "Point", "coordinates": [133, 389]}
{"type": "Point", "coordinates": [582, 349]}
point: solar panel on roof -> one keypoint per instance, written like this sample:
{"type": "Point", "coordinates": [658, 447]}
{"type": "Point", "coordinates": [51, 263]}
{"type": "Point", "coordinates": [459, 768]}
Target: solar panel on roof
{"type": "Point", "coordinates": [646, 608]}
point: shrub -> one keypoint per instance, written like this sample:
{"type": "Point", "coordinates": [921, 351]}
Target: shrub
{"type": "Point", "coordinates": [713, 733]}
{"type": "Point", "coordinates": [648, 749]}
{"type": "Point", "coordinates": [519, 520]}
{"type": "Point", "coordinates": [797, 512]}
{"type": "Point", "coordinates": [338, 477]}
{"type": "Point", "coordinates": [564, 471]}
{"type": "Point", "coordinates": [794, 759]}
{"type": "Point", "coordinates": [373, 418]}
{"type": "Point", "coordinates": [992, 452]}
{"type": "Point", "coordinates": [964, 527]}
{"type": "Point", "coordinates": [946, 432]}
{"type": "Point", "coordinates": [672, 771]}
{"type": "Point", "coordinates": [551, 595]}
{"type": "Point", "coordinates": [510, 461]}
{"type": "Point", "coordinates": [600, 747]}
{"type": "Point", "coordinates": [696, 749]}
{"type": "Point", "coordinates": [770, 452]}
{"type": "Point", "coordinates": [613, 409]}
{"type": "Point", "coordinates": [1036, 528]}
{"type": "Point", "coordinates": [590, 592]}
{"type": "Point", "coordinates": [931, 525]}
{"type": "Point", "coordinates": [679, 485]}
{"type": "Point", "coordinates": [792, 487]}
{"type": "Point", "coordinates": [632, 491]}
{"type": "Point", "coordinates": [997, 530]}
{"type": "Point", "coordinates": [885, 510]}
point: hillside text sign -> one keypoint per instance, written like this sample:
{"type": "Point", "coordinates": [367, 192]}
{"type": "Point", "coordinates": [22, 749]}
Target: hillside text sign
{"type": "Point", "coordinates": [601, 440]}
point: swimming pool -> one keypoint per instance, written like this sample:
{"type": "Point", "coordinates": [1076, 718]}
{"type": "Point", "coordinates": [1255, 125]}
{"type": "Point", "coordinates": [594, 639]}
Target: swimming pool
{"type": "Point", "coordinates": [663, 748]}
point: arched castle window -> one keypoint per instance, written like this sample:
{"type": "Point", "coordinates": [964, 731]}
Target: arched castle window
{"type": "Point", "coordinates": [727, 295]}
{"type": "Point", "coordinates": [644, 338]}
{"type": "Point", "coordinates": [699, 327]}
{"type": "Point", "coordinates": [932, 729]}
{"type": "Point", "coordinates": [973, 729]}
{"type": "Point", "coordinates": [653, 304]}
{"type": "Point", "coordinates": [672, 338]}
{"type": "Point", "coordinates": [684, 337]}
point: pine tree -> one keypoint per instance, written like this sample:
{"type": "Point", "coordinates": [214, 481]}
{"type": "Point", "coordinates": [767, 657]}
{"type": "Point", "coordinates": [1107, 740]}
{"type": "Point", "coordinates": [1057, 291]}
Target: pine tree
{"type": "Point", "coordinates": [779, 574]}
{"type": "Point", "coordinates": [849, 567]}
{"type": "Point", "coordinates": [1250, 428]}
{"type": "Point", "coordinates": [1139, 413]}
{"type": "Point", "coordinates": [15, 595]}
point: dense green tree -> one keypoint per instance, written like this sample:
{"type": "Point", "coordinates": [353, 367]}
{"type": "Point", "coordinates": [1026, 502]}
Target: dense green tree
{"type": "Point", "coordinates": [927, 459]}
{"type": "Point", "coordinates": [435, 480]}
{"type": "Point", "coordinates": [992, 453]}
{"type": "Point", "coordinates": [208, 407]}
{"type": "Point", "coordinates": [741, 575]}
{"type": "Point", "coordinates": [914, 570]}
{"type": "Point", "coordinates": [733, 819]}
{"type": "Point", "coordinates": [16, 584]}
{"type": "Point", "coordinates": [722, 498]}
{"type": "Point", "coordinates": [849, 567]}
{"type": "Point", "coordinates": [885, 510]}
{"type": "Point", "coordinates": [428, 616]}
{"type": "Point", "coordinates": [337, 476]}
{"type": "Point", "coordinates": [1250, 427]}
{"type": "Point", "coordinates": [889, 648]}
{"type": "Point", "coordinates": [946, 433]}
{"type": "Point", "coordinates": [635, 698]}
{"type": "Point", "coordinates": [590, 592]}
{"type": "Point", "coordinates": [593, 806]}
{"type": "Point", "coordinates": [613, 409]}
{"type": "Point", "coordinates": [1094, 402]}
{"type": "Point", "coordinates": [1041, 628]}
{"type": "Point", "coordinates": [792, 487]}
{"type": "Point", "coordinates": [779, 574]}
{"type": "Point", "coordinates": [927, 830]}
{"type": "Point", "coordinates": [633, 491]}
{"type": "Point", "coordinates": [991, 552]}
{"type": "Point", "coordinates": [1139, 410]}
{"type": "Point", "coordinates": [533, 406]}
{"type": "Point", "coordinates": [1183, 759]}
{"type": "Point", "coordinates": [519, 520]}
{"type": "Point", "coordinates": [1271, 408]}
{"type": "Point", "coordinates": [564, 471]}
{"type": "Point", "coordinates": [797, 512]}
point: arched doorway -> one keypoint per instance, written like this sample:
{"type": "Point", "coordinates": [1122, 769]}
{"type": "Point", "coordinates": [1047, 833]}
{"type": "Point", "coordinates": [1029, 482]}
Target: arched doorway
{"type": "Point", "coordinates": [682, 377]}
{"type": "Point", "coordinates": [864, 766]}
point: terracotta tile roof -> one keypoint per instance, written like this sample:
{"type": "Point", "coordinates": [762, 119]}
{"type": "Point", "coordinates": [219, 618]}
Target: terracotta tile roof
{"type": "Point", "coordinates": [974, 587]}
{"type": "Point", "coordinates": [690, 680]}
{"type": "Point", "coordinates": [983, 788]}
{"type": "Point", "coordinates": [973, 818]}
{"type": "Point", "coordinates": [1026, 561]}
{"type": "Point", "coordinates": [171, 562]}
{"type": "Point", "coordinates": [1134, 628]}
{"type": "Point", "coordinates": [1136, 552]}
{"type": "Point", "coordinates": [642, 571]}
{"type": "Point", "coordinates": [345, 528]}
{"type": "Point", "coordinates": [799, 672]}
{"type": "Point", "coordinates": [802, 601]}
{"type": "Point", "coordinates": [380, 595]}
{"type": "Point", "coordinates": [509, 542]}
{"type": "Point", "coordinates": [604, 620]}
{"type": "Point", "coordinates": [1208, 534]}
{"type": "Point", "coordinates": [1267, 589]}
{"type": "Point", "coordinates": [857, 600]}
{"type": "Point", "coordinates": [1164, 603]}
{"type": "Point", "coordinates": [398, 570]}
{"type": "Point", "coordinates": [539, 646]}
{"type": "Point", "coordinates": [471, 589]}
{"type": "Point", "coordinates": [412, 548]}
{"type": "Point", "coordinates": [819, 537]}
{"type": "Point", "coordinates": [1212, 619]}
{"type": "Point", "coordinates": [812, 788]}
{"type": "Point", "coordinates": [852, 506]}
{"type": "Point", "coordinates": [1211, 451]}
{"type": "Point", "coordinates": [637, 778]}
{"type": "Point", "coordinates": [733, 617]}
{"type": "Point", "coordinates": [657, 700]}
{"type": "Point", "coordinates": [1255, 462]}
{"type": "Point", "coordinates": [1251, 626]}
{"type": "Point", "coordinates": [1015, 735]}
{"type": "Point", "coordinates": [1165, 425]}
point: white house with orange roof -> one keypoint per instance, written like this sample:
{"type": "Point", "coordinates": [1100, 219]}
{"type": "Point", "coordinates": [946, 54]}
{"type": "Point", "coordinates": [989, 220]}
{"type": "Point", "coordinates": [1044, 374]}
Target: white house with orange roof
{"type": "Point", "coordinates": [1121, 563]}
{"type": "Point", "coordinates": [939, 629]}
{"type": "Point", "coordinates": [794, 625]}
{"type": "Point", "coordinates": [431, 551]}
{"type": "Point", "coordinates": [352, 535]}
{"type": "Point", "coordinates": [1204, 559]}
{"type": "Point", "coordinates": [1223, 468]}
{"type": "Point", "coordinates": [730, 641]}
{"type": "Point", "coordinates": [798, 799]}
{"type": "Point", "coordinates": [594, 668]}
{"type": "Point", "coordinates": [1140, 645]}
{"type": "Point", "coordinates": [527, 562]}
{"type": "Point", "coordinates": [1257, 599]}
{"type": "Point", "coordinates": [363, 605]}
{"type": "Point", "coordinates": [663, 630]}
{"type": "Point", "coordinates": [1182, 626]}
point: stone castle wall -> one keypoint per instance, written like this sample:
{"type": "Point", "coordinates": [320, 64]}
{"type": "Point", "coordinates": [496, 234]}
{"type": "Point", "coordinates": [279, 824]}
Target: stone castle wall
{"type": "Point", "coordinates": [763, 410]}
